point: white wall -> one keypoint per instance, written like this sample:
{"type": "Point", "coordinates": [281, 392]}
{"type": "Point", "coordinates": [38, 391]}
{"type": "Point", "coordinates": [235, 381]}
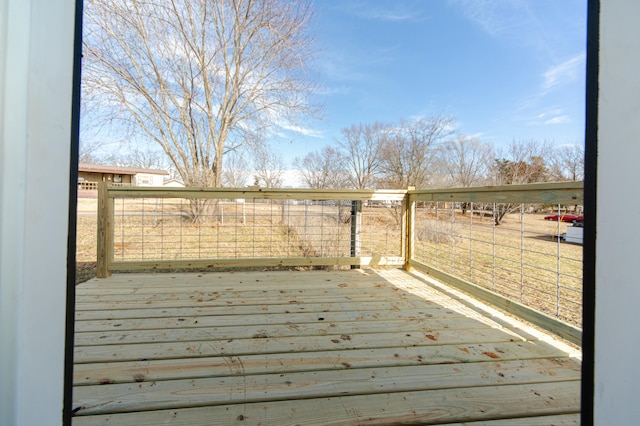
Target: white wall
{"type": "Point", "coordinates": [142, 179]}
{"type": "Point", "coordinates": [617, 334]}
{"type": "Point", "coordinates": [36, 46]}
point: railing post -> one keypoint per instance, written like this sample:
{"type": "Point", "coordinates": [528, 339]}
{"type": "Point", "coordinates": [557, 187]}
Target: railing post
{"type": "Point", "coordinates": [408, 220]}
{"type": "Point", "coordinates": [105, 231]}
{"type": "Point", "coordinates": [283, 207]}
{"type": "Point", "coordinates": [356, 229]}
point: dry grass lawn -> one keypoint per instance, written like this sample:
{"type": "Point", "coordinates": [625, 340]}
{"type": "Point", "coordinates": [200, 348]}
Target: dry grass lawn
{"type": "Point", "coordinates": [523, 260]}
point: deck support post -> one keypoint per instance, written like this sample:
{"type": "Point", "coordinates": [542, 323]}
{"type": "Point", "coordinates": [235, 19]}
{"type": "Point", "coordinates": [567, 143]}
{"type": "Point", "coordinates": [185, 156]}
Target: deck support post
{"type": "Point", "coordinates": [105, 231]}
{"type": "Point", "coordinates": [408, 220]}
{"type": "Point", "coordinates": [356, 230]}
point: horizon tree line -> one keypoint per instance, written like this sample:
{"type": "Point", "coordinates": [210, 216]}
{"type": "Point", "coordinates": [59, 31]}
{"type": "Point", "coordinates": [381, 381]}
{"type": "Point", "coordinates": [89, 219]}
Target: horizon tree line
{"type": "Point", "coordinates": [424, 153]}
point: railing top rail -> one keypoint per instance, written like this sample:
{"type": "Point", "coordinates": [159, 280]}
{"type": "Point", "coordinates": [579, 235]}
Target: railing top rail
{"type": "Point", "coordinates": [546, 193]}
{"type": "Point", "coordinates": [266, 193]}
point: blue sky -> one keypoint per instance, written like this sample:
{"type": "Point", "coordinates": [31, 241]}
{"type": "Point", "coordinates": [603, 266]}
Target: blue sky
{"type": "Point", "coordinates": [505, 69]}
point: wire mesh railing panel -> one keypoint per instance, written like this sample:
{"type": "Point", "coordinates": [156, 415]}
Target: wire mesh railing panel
{"type": "Point", "coordinates": [382, 229]}
{"type": "Point", "coordinates": [171, 229]}
{"type": "Point", "coordinates": [516, 253]}
{"type": "Point", "coordinates": [319, 228]}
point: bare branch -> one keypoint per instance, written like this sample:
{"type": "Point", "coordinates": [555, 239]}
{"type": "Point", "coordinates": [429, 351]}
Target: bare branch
{"type": "Point", "coordinates": [410, 150]}
{"type": "Point", "coordinates": [324, 169]}
{"type": "Point", "coordinates": [237, 171]}
{"type": "Point", "coordinates": [268, 167]}
{"type": "Point", "coordinates": [568, 163]}
{"type": "Point", "coordinates": [465, 161]}
{"type": "Point", "coordinates": [364, 146]}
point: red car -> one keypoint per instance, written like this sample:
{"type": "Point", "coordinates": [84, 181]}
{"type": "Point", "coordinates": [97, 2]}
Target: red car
{"type": "Point", "coordinates": [565, 218]}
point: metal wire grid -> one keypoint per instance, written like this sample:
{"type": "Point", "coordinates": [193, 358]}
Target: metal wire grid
{"type": "Point", "coordinates": [187, 229]}
{"type": "Point", "coordinates": [523, 258]}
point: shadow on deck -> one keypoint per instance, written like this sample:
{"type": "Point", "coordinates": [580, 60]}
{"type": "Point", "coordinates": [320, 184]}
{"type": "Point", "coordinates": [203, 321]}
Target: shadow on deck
{"type": "Point", "coordinates": [310, 347]}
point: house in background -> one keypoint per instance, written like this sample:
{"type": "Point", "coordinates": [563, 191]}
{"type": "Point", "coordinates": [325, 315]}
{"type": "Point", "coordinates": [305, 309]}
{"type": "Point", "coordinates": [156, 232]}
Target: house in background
{"type": "Point", "coordinates": [90, 174]}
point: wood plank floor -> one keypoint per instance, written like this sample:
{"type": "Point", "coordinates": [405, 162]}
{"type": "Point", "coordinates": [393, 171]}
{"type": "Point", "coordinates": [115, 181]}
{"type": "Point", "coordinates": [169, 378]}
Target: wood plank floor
{"type": "Point", "coordinates": [311, 348]}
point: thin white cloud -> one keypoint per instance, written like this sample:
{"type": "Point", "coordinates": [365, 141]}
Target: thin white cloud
{"type": "Point", "coordinates": [390, 15]}
{"type": "Point", "coordinates": [552, 79]}
{"type": "Point", "coordinates": [497, 18]}
{"type": "Point", "coordinates": [302, 130]}
{"type": "Point", "coordinates": [566, 71]}
{"type": "Point", "coordinates": [558, 120]}
{"type": "Point", "coordinates": [549, 30]}
{"type": "Point", "coordinates": [550, 113]}
{"type": "Point", "coordinates": [550, 117]}
{"type": "Point", "coordinates": [346, 67]}
{"type": "Point", "coordinates": [334, 90]}
{"type": "Point", "coordinates": [477, 135]}
{"type": "Point", "coordinates": [398, 12]}
{"type": "Point", "coordinates": [340, 67]}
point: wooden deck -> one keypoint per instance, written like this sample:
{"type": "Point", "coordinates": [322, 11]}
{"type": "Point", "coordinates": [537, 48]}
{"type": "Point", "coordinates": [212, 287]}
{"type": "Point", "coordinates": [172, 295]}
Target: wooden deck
{"type": "Point", "coordinates": [310, 347]}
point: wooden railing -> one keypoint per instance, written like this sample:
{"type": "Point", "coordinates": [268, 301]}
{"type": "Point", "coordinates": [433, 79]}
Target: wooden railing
{"type": "Point", "coordinates": [492, 242]}
{"type": "Point", "coordinates": [495, 243]}
{"type": "Point", "coordinates": [178, 228]}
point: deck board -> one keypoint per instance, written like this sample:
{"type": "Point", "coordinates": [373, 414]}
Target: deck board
{"type": "Point", "coordinates": [309, 347]}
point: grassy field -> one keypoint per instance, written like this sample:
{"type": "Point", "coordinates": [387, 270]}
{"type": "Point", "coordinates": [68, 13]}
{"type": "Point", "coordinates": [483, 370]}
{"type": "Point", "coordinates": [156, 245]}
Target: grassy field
{"type": "Point", "coordinates": [521, 259]}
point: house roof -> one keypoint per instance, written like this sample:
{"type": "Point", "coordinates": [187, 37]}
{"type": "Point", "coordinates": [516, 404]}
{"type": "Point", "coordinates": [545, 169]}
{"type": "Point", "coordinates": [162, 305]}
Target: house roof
{"type": "Point", "coordinates": [99, 168]}
{"type": "Point", "coordinates": [174, 180]}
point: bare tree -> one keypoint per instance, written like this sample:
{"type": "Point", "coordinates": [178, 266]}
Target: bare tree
{"type": "Point", "coordinates": [268, 167]}
{"type": "Point", "coordinates": [410, 148]}
{"type": "Point", "coordinates": [237, 171]}
{"type": "Point", "coordinates": [324, 169]}
{"type": "Point", "coordinates": [364, 145]}
{"type": "Point", "coordinates": [568, 163]}
{"type": "Point", "coordinates": [142, 158]}
{"type": "Point", "coordinates": [198, 77]}
{"type": "Point", "coordinates": [89, 151]}
{"type": "Point", "coordinates": [526, 162]}
{"type": "Point", "coordinates": [465, 161]}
